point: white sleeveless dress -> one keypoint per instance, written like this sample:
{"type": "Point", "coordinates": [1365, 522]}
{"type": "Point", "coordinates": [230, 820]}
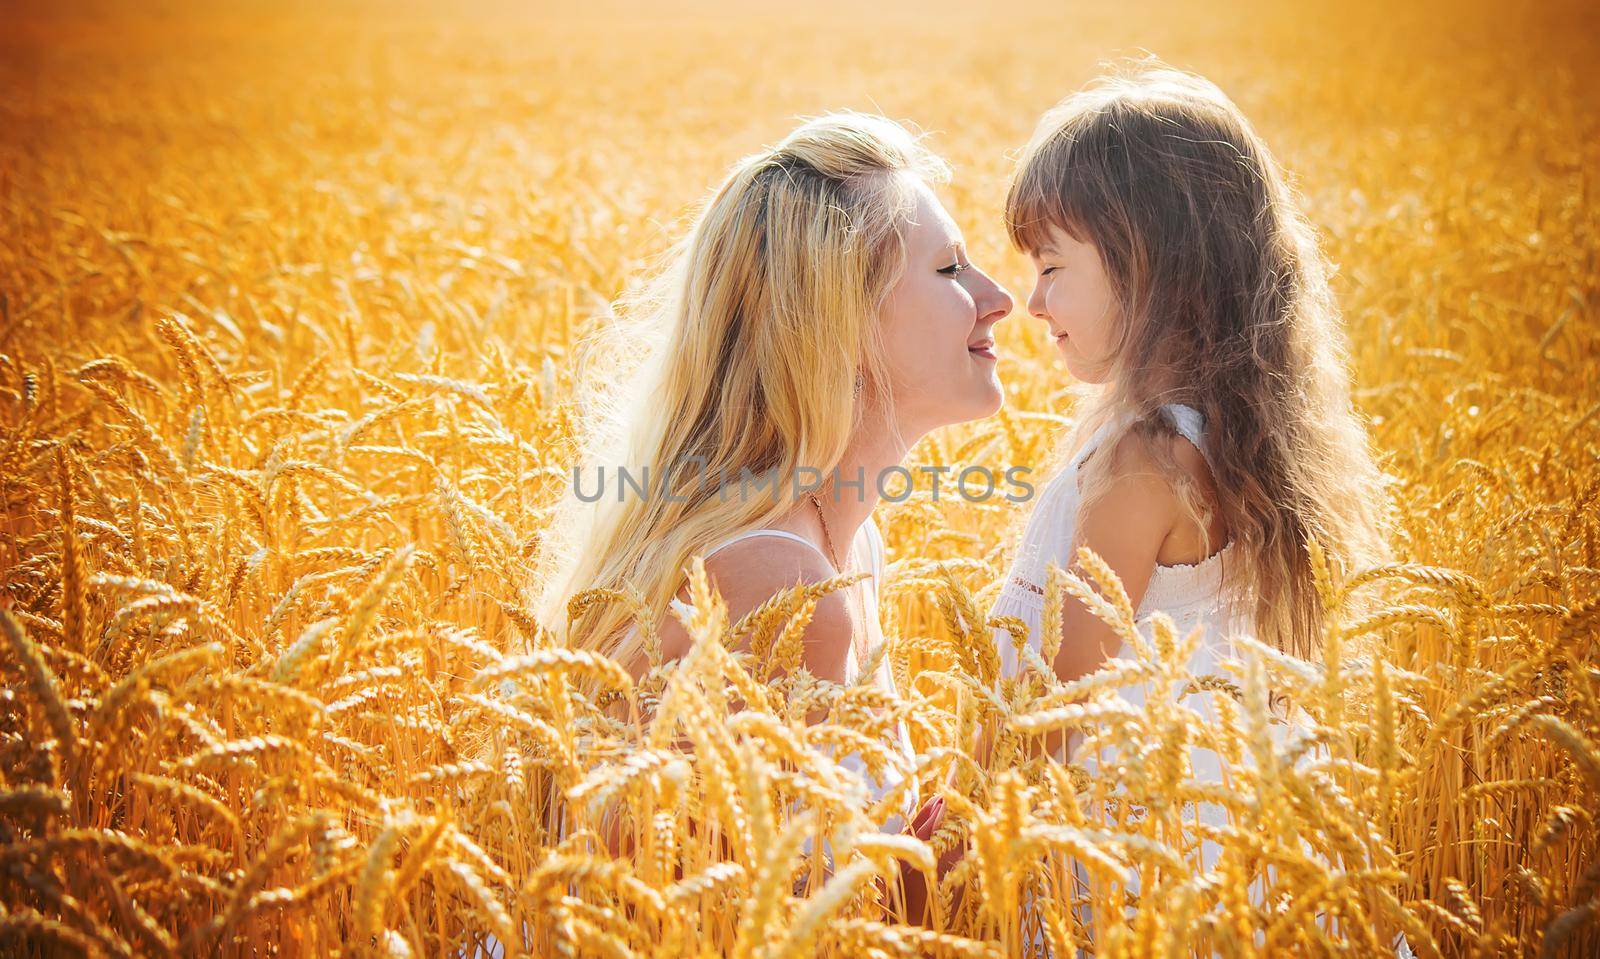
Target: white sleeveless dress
{"type": "Point", "coordinates": [867, 550]}
{"type": "Point", "coordinates": [1191, 594]}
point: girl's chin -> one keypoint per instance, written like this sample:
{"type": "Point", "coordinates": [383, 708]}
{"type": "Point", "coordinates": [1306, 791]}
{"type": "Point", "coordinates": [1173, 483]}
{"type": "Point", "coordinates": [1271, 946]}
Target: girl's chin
{"type": "Point", "coordinates": [1082, 372]}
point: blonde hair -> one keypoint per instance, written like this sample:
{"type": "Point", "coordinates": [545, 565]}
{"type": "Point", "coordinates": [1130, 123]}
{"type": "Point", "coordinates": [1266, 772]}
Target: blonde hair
{"type": "Point", "coordinates": [1224, 306]}
{"type": "Point", "coordinates": [757, 331]}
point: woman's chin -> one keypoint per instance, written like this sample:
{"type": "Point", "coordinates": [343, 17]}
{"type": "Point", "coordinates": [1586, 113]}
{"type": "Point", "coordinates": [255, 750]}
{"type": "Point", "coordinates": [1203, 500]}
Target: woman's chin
{"type": "Point", "coordinates": [984, 401]}
{"type": "Point", "coordinates": [996, 399]}
{"type": "Point", "coordinates": [973, 398]}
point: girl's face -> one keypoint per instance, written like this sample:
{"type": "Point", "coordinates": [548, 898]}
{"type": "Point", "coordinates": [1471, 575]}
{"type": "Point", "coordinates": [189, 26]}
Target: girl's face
{"type": "Point", "coordinates": [1073, 297]}
{"type": "Point", "coordinates": [937, 325]}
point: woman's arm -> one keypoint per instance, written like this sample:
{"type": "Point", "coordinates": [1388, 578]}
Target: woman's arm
{"type": "Point", "coordinates": [746, 575]}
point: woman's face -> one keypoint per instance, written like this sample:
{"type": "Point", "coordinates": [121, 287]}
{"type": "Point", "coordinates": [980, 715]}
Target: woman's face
{"type": "Point", "coordinates": [1073, 297]}
{"type": "Point", "coordinates": [937, 323]}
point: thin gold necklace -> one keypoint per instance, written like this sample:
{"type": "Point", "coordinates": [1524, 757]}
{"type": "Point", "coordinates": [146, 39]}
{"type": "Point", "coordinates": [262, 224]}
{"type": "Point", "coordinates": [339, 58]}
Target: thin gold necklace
{"type": "Point", "coordinates": [858, 643]}
{"type": "Point", "coordinates": [827, 535]}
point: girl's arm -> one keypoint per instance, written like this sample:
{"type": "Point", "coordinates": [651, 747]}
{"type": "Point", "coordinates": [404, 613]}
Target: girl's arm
{"type": "Point", "coordinates": [1126, 526]}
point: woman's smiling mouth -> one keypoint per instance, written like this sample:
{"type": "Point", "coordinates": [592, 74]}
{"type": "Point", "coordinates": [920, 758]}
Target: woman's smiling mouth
{"type": "Point", "coordinates": [983, 348]}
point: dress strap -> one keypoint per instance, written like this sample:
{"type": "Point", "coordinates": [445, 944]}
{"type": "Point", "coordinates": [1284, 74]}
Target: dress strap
{"type": "Point", "coordinates": [1190, 424]}
{"type": "Point", "coordinates": [785, 534]}
{"type": "Point", "coordinates": [875, 557]}
{"type": "Point", "coordinates": [868, 529]}
{"type": "Point", "coordinates": [1187, 420]}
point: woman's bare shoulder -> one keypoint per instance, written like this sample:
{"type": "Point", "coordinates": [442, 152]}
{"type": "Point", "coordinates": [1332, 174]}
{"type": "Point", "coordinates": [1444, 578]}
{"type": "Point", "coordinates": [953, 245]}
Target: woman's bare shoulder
{"type": "Point", "coordinates": [757, 567]}
{"type": "Point", "coordinates": [750, 572]}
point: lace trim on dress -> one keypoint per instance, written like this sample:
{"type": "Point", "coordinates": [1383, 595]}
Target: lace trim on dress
{"type": "Point", "coordinates": [1183, 584]}
{"type": "Point", "coordinates": [1018, 580]}
{"type": "Point", "coordinates": [1175, 581]}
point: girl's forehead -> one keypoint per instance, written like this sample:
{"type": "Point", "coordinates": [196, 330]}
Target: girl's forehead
{"type": "Point", "coordinates": [1048, 239]}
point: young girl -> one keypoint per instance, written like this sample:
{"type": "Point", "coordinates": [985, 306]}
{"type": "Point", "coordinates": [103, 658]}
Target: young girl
{"type": "Point", "coordinates": [1177, 275]}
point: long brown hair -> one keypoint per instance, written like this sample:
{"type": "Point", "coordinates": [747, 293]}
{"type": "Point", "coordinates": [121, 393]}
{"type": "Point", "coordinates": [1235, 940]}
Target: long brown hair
{"type": "Point", "coordinates": [1225, 307]}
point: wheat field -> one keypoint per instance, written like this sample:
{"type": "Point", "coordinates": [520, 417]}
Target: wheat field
{"type": "Point", "coordinates": [290, 298]}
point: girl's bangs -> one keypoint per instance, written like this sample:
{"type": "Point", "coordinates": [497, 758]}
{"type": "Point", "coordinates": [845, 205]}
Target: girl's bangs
{"type": "Point", "coordinates": [1041, 196]}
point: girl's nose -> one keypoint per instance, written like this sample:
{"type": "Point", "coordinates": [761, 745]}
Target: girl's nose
{"type": "Point", "coordinates": [1036, 303]}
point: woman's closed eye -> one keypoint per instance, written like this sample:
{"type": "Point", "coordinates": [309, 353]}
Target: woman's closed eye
{"type": "Point", "coordinates": [955, 269]}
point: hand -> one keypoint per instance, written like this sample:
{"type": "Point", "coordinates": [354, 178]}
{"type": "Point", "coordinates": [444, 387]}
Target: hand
{"type": "Point", "coordinates": [928, 819]}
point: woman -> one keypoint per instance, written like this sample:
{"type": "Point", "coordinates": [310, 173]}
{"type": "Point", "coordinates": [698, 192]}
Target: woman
{"type": "Point", "coordinates": [818, 320]}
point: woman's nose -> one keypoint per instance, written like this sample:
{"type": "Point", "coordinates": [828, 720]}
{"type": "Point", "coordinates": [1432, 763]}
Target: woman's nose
{"type": "Point", "coordinates": [998, 303]}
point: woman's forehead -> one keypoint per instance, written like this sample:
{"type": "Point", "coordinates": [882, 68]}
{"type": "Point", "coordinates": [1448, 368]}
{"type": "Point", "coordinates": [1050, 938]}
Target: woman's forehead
{"type": "Point", "coordinates": [931, 227]}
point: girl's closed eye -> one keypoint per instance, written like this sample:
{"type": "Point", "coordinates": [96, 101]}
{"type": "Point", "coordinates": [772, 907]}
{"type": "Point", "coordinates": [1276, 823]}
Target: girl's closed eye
{"type": "Point", "coordinates": [1048, 270]}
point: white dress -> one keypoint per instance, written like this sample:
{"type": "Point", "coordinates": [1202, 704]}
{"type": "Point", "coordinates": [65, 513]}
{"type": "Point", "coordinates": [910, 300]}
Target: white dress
{"type": "Point", "coordinates": [867, 546]}
{"type": "Point", "coordinates": [1191, 594]}
{"type": "Point", "coordinates": [867, 549]}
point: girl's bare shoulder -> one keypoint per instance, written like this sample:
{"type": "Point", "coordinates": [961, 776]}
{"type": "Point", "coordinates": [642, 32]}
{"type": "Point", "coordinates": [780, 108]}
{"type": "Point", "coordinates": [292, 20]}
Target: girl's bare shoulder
{"type": "Point", "coordinates": [1138, 467]}
{"type": "Point", "coordinates": [1160, 488]}
{"type": "Point", "coordinates": [1159, 457]}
